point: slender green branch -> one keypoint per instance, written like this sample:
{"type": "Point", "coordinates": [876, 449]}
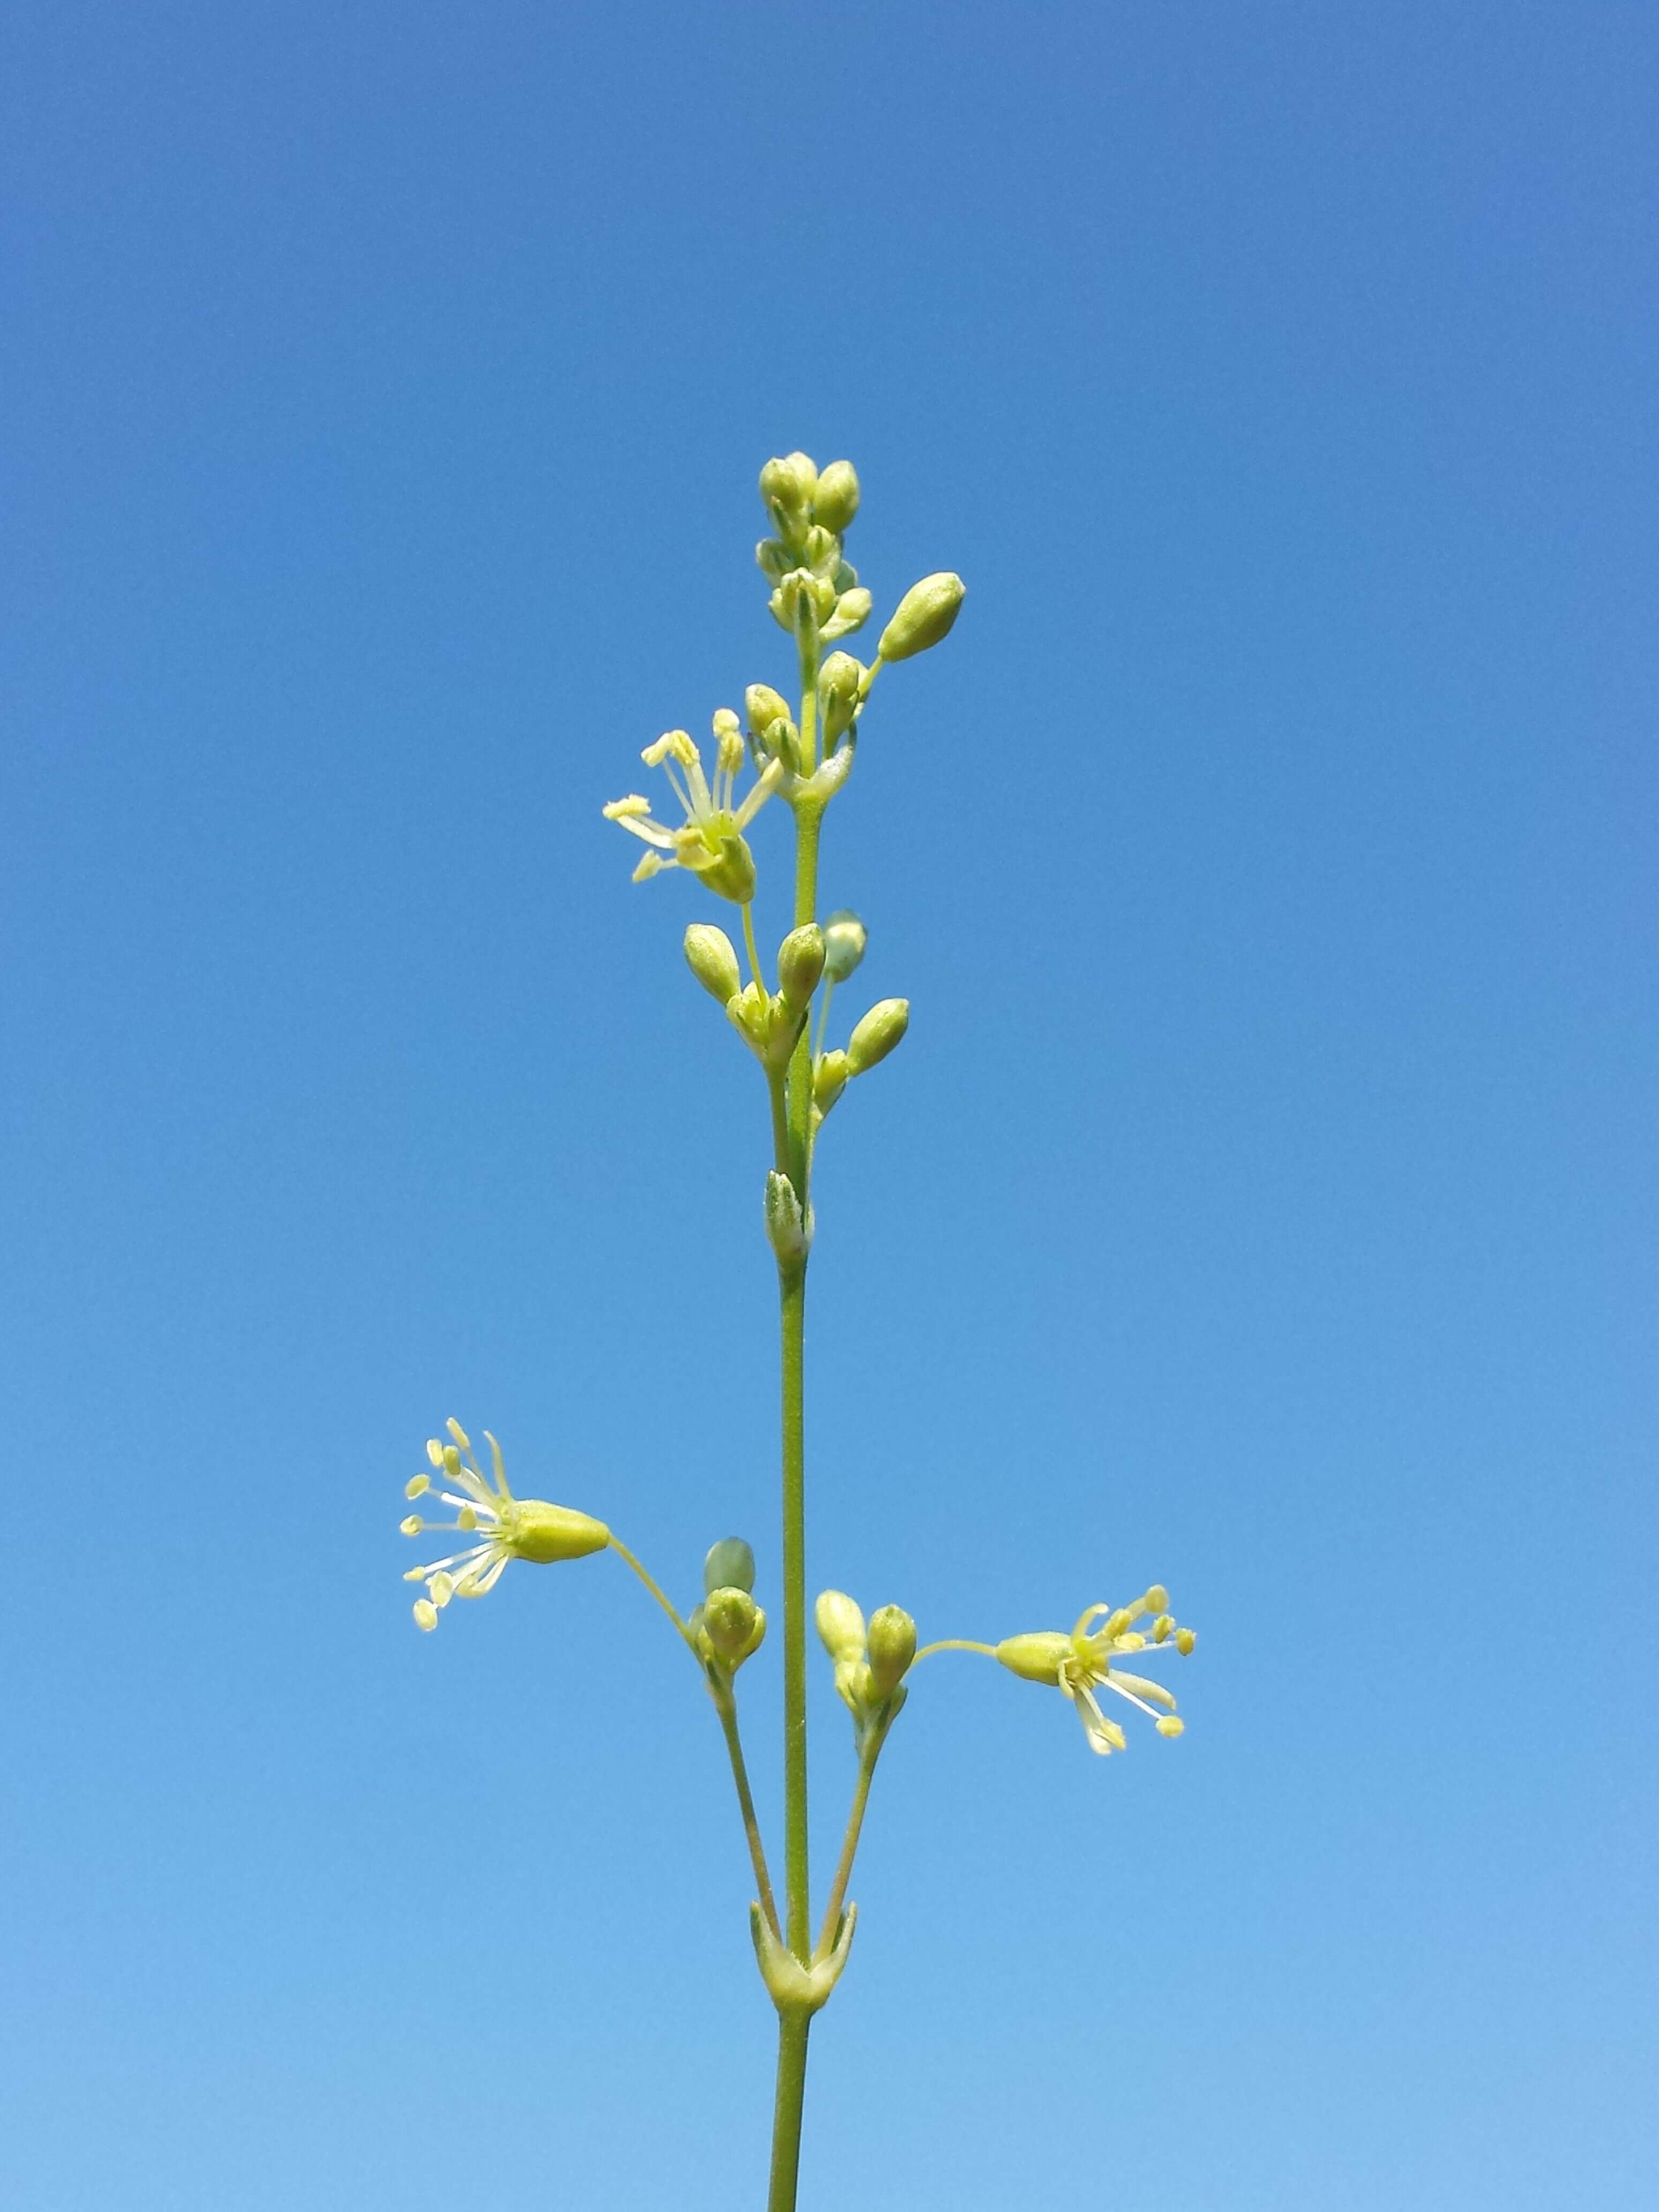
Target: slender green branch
{"type": "Point", "coordinates": [725, 1706]}
{"type": "Point", "coordinates": [748, 940]}
{"type": "Point", "coordinates": [792, 1284]}
{"type": "Point", "coordinates": [849, 1847]}
{"type": "Point", "coordinates": [624, 1554]}
{"type": "Point", "coordinates": [955, 1643]}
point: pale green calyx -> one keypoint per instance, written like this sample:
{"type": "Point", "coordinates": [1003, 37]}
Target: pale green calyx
{"type": "Point", "coordinates": [829, 1074]}
{"type": "Point", "coordinates": [844, 939]}
{"type": "Point", "coordinates": [710, 841]}
{"type": "Point", "coordinates": [712, 957]}
{"type": "Point", "coordinates": [836, 498]}
{"type": "Point", "coordinates": [787, 485]}
{"type": "Point", "coordinates": [875, 1036]}
{"type": "Point", "coordinates": [841, 687]}
{"type": "Point", "coordinates": [800, 964]}
{"type": "Point", "coordinates": [505, 1526]}
{"type": "Point", "coordinates": [1091, 1658]}
{"type": "Point", "coordinates": [839, 1625]}
{"type": "Point", "coordinates": [891, 1643]}
{"type": "Point", "coordinates": [733, 1624]}
{"type": "Point", "coordinates": [766, 1022]}
{"type": "Point", "coordinates": [729, 1565]}
{"type": "Point", "coordinates": [923, 617]}
{"type": "Point", "coordinates": [851, 610]}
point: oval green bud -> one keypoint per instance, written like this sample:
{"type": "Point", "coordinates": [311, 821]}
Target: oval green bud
{"type": "Point", "coordinates": [712, 959]}
{"type": "Point", "coordinates": [800, 964]}
{"type": "Point", "coordinates": [788, 485]}
{"type": "Point", "coordinates": [836, 500]}
{"type": "Point", "coordinates": [840, 1626]}
{"type": "Point", "coordinates": [892, 1647]}
{"type": "Point", "coordinates": [846, 613]}
{"type": "Point", "coordinates": [729, 1565]}
{"type": "Point", "coordinates": [728, 1618]}
{"type": "Point", "coordinates": [877, 1033]}
{"type": "Point", "coordinates": [829, 1080]}
{"type": "Point", "coordinates": [773, 558]}
{"type": "Point", "coordinates": [841, 684]}
{"type": "Point", "coordinates": [821, 551]}
{"type": "Point", "coordinates": [844, 939]}
{"type": "Point", "coordinates": [788, 1231]}
{"type": "Point", "coordinates": [924, 617]}
{"type": "Point", "coordinates": [1035, 1658]}
{"type": "Point", "coordinates": [547, 1532]}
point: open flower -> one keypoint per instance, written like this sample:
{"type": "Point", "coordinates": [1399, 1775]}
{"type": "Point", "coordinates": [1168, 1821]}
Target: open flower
{"type": "Point", "coordinates": [506, 1526]}
{"type": "Point", "coordinates": [1091, 1658]}
{"type": "Point", "coordinates": [710, 841]}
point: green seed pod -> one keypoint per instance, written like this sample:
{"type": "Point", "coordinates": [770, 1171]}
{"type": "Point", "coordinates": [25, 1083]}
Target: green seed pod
{"type": "Point", "coordinates": [840, 1626]}
{"type": "Point", "coordinates": [892, 1647]}
{"type": "Point", "coordinates": [877, 1033]}
{"type": "Point", "coordinates": [729, 1565]}
{"type": "Point", "coordinates": [840, 685]}
{"type": "Point", "coordinates": [547, 1532]}
{"type": "Point", "coordinates": [924, 617]}
{"type": "Point", "coordinates": [800, 964]}
{"type": "Point", "coordinates": [712, 958]}
{"type": "Point", "coordinates": [728, 1618]}
{"type": "Point", "coordinates": [836, 500]}
{"type": "Point", "coordinates": [1036, 1658]}
{"type": "Point", "coordinates": [844, 939]}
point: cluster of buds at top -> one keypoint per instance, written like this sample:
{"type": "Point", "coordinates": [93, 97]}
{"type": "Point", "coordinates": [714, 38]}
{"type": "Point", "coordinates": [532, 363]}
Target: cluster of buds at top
{"type": "Point", "coordinates": [728, 1626]}
{"type": "Point", "coordinates": [814, 586]}
{"type": "Point", "coordinates": [871, 1662]}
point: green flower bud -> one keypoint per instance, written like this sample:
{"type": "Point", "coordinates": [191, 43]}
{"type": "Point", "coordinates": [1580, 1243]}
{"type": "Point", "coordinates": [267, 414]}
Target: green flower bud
{"type": "Point", "coordinates": [1036, 1658]}
{"type": "Point", "coordinates": [851, 610]}
{"type": "Point", "coordinates": [877, 1033]}
{"type": "Point", "coordinates": [712, 958]}
{"type": "Point", "coordinates": [829, 1080]}
{"type": "Point", "coordinates": [821, 553]}
{"type": "Point", "coordinates": [892, 1647]}
{"type": "Point", "coordinates": [840, 681]}
{"type": "Point", "coordinates": [730, 1618]}
{"type": "Point", "coordinates": [787, 1230]}
{"type": "Point", "coordinates": [729, 1565]}
{"type": "Point", "coordinates": [787, 486]}
{"type": "Point", "coordinates": [773, 558]}
{"type": "Point", "coordinates": [840, 1626]}
{"type": "Point", "coordinates": [844, 939]}
{"type": "Point", "coordinates": [836, 500]}
{"type": "Point", "coordinates": [925, 615]}
{"type": "Point", "coordinates": [547, 1532]}
{"type": "Point", "coordinates": [800, 964]}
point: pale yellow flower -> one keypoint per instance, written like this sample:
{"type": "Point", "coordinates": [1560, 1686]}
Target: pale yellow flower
{"type": "Point", "coordinates": [1091, 1658]}
{"type": "Point", "coordinates": [710, 841]}
{"type": "Point", "coordinates": [506, 1526]}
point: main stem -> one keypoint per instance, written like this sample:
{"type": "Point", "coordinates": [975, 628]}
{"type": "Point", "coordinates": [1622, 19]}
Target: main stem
{"type": "Point", "coordinates": [794, 1161]}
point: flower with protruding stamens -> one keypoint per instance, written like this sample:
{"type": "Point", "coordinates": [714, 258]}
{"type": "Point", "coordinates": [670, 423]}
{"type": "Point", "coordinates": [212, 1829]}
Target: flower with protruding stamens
{"type": "Point", "coordinates": [1088, 1660]}
{"type": "Point", "coordinates": [710, 842]}
{"type": "Point", "coordinates": [506, 1526]}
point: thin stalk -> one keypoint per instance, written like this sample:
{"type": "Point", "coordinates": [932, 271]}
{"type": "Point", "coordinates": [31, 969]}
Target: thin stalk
{"type": "Point", "coordinates": [793, 1284]}
{"type": "Point", "coordinates": [850, 1845]}
{"type": "Point", "coordinates": [725, 1706]}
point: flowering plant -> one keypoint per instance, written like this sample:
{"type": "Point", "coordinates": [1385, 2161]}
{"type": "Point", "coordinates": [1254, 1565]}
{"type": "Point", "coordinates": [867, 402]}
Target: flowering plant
{"type": "Point", "coordinates": [804, 759]}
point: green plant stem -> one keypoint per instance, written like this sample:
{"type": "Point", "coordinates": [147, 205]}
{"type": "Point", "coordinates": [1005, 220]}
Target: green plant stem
{"type": "Point", "coordinates": [793, 1284]}
{"type": "Point", "coordinates": [627, 1557]}
{"type": "Point", "coordinates": [832, 1911]}
{"type": "Point", "coordinates": [725, 1706]}
{"type": "Point", "coordinates": [793, 2030]}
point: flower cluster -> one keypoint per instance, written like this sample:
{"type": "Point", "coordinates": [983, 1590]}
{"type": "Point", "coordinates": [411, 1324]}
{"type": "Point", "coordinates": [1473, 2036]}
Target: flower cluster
{"type": "Point", "coordinates": [1090, 1659]}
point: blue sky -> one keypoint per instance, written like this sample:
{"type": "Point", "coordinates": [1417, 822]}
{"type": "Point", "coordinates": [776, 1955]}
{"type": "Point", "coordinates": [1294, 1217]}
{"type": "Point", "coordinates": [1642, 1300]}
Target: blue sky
{"type": "Point", "coordinates": [1263, 1201]}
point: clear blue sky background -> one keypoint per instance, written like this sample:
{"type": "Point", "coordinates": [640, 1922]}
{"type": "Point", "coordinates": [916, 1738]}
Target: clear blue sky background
{"type": "Point", "coordinates": [1263, 1201]}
